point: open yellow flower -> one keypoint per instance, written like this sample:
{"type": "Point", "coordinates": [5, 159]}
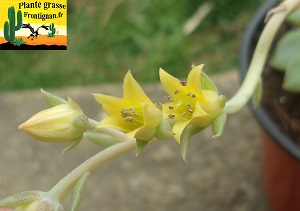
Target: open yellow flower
{"type": "Point", "coordinates": [194, 102]}
{"type": "Point", "coordinates": [133, 114]}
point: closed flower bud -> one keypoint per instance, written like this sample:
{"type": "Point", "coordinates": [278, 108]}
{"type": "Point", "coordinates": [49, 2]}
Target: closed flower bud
{"type": "Point", "coordinates": [61, 123]}
{"type": "Point", "coordinates": [32, 201]}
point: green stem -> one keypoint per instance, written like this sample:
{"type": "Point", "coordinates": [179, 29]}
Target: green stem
{"type": "Point", "coordinates": [108, 131]}
{"type": "Point", "coordinates": [259, 58]}
{"type": "Point", "coordinates": [92, 124]}
{"type": "Point", "coordinates": [62, 188]}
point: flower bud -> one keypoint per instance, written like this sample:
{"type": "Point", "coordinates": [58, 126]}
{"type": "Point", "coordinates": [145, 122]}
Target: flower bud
{"type": "Point", "coordinates": [44, 204]}
{"type": "Point", "coordinates": [61, 123]}
{"type": "Point", "coordinates": [32, 201]}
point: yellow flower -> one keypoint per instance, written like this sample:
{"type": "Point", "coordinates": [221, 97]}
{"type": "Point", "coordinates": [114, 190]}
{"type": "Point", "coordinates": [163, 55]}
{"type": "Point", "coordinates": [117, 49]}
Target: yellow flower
{"type": "Point", "coordinates": [194, 102]}
{"type": "Point", "coordinates": [61, 123]}
{"type": "Point", "coordinates": [133, 114]}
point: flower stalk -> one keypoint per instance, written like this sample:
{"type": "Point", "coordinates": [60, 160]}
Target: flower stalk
{"type": "Point", "coordinates": [259, 57]}
{"type": "Point", "coordinates": [62, 188]}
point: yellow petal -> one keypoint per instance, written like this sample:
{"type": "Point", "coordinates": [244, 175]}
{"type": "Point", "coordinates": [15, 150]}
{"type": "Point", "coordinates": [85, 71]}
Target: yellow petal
{"type": "Point", "coordinates": [210, 95]}
{"type": "Point", "coordinates": [199, 111]}
{"type": "Point", "coordinates": [194, 80]}
{"type": "Point", "coordinates": [178, 129]}
{"type": "Point", "coordinates": [211, 103]}
{"type": "Point", "coordinates": [111, 105]}
{"type": "Point", "coordinates": [172, 86]}
{"type": "Point", "coordinates": [144, 133]}
{"type": "Point", "coordinates": [152, 115]}
{"type": "Point", "coordinates": [132, 92]}
{"type": "Point", "coordinates": [202, 121]}
{"type": "Point", "coordinates": [55, 118]}
{"type": "Point", "coordinates": [115, 123]}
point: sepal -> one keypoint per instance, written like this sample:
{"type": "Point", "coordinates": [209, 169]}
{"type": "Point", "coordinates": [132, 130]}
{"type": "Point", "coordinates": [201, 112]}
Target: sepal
{"type": "Point", "coordinates": [185, 138]}
{"type": "Point", "coordinates": [81, 123]}
{"type": "Point", "coordinates": [72, 145]}
{"type": "Point", "coordinates": [218, 124]}
{"type": "Point", "coordinates": [164, 130]}
{"type": "Point", "coordinates": [52, 99]}
{"type": "Point", "coordinates": [207, 83]}
{"type": "Point", "coordinates": [140, 145]}
{"type": "Point", "coordinates": [222, 101]}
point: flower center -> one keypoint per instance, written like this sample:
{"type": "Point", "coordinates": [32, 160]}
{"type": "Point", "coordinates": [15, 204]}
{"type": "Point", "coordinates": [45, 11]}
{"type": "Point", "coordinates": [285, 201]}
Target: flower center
{"type": "Point", "coordinates": [132, 115]}
{"type": "Point", "coordinates": [181, 110]}
{"type": "Point", "coordinates": [185, 107]}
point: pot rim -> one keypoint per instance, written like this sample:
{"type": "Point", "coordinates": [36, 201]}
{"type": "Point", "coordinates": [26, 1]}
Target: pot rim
{"type": "Point", "coordinates": [260, 114]}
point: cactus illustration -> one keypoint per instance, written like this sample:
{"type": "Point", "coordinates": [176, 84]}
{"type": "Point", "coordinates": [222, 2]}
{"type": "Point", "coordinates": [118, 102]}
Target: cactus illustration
{"type": "Point", "coordinates": [53, 30]}
{"type": "Point", "coordinates": [9, 27]}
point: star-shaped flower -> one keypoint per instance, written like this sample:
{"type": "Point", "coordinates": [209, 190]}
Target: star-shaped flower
{"type": "Point", "coordinates": [194, 102]}
{"type": "Point", "coordinates": [133, 114]}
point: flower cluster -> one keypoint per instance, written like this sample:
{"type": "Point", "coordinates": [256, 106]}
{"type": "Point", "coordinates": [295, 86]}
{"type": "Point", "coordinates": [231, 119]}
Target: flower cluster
{"type": "Point", "coordinates": [133, 121]}
{"type": "Point", "coordinates": [192, 102]}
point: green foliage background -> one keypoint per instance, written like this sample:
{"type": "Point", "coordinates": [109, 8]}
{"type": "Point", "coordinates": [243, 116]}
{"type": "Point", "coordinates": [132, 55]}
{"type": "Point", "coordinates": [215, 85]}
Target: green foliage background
{"type": "Point", "coordinates": [108, 37]}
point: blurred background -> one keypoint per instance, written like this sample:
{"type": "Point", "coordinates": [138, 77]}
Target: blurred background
{"type": "Point", "coordinates": [108, 37]}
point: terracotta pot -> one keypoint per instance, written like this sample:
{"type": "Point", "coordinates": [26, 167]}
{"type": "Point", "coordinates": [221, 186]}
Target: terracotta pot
{"type": "Point", "coordinates": [281, 156]}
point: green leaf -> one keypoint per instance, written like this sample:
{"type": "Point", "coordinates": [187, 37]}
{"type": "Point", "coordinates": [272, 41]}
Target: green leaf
{"type": "Point", "coordinates": [287, 47]}
{"type": "Point", "coordinates": [101, 139]}
{"type": "Point", "coordinates": [52, 99]}
{"type": "Point", "coordinates": [292, 76]}
{"type": "Point", "coordinates": [140, 144]}
{"type": "Point", "coordinates": [207, 83]}
{"type": "Point", "coordinates": [257, 94]}
{"type": "Point", "coordinates": [294, 18]}
{"type": "Point", "coordinates": [218, 124]}
{"type": "Point", "coordinates": [78, 191]}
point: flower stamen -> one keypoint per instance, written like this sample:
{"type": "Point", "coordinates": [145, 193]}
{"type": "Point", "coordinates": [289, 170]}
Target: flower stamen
{"type": "Point", "coordinates": [171, 116]}
{"type": "Point", "coordinates": [129, 119]}
{"type": "Point", "coordinates": [183, 83]}
{"type": "Point", "coordinates": [129, 115]}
